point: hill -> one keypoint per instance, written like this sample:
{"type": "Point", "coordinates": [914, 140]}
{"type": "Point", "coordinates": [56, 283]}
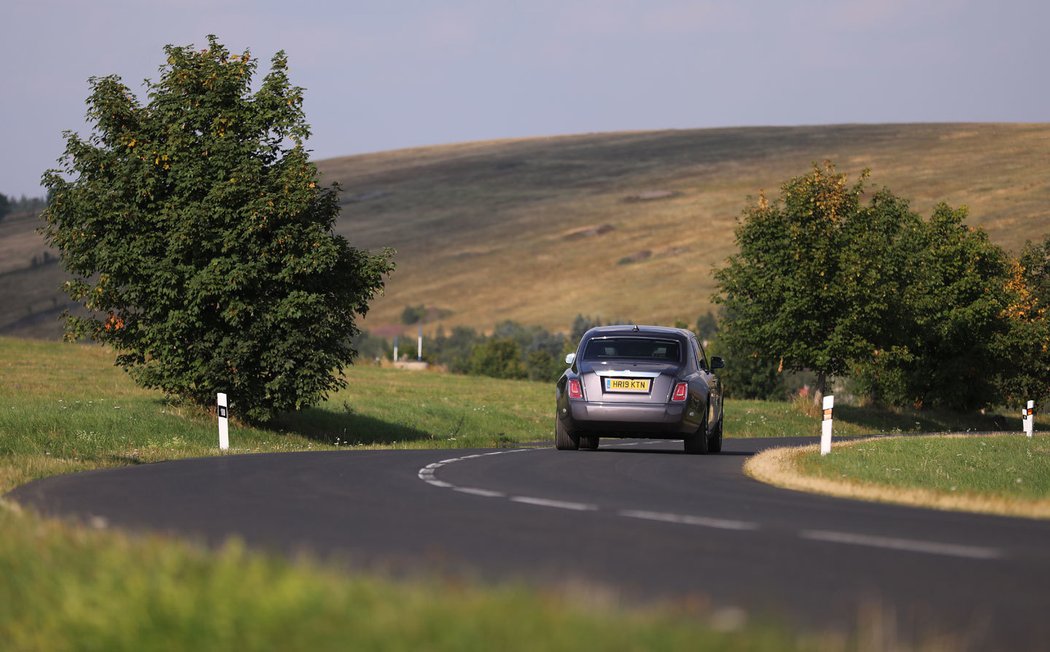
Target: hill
{"type": "Point", "coordinates": [630, 225]}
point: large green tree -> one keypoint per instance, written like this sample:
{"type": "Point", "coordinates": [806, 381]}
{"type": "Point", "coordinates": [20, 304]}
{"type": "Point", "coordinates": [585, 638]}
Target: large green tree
{"type": "Point", "coordinates": [804, 289]}
{"type": "Point", "coordinates": [950, 314]}
{"type": "Point", "coordinates": [837, 280]}
{"type": "Point", "coordinates": [200, 238]}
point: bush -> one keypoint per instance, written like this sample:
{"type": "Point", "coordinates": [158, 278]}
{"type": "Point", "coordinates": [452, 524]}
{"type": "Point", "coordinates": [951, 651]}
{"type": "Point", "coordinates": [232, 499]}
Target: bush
{"type": "Point", "coordinates": [499, 358]}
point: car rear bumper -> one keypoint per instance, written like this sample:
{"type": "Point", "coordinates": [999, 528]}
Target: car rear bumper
{"type": "Point", "coordinates": [630, 419]}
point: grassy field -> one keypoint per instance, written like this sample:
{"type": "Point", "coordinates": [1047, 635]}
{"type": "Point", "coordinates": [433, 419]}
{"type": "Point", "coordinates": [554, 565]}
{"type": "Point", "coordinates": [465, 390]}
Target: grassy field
{"type": "Point", "coordinates": [1001, 466]}
{"type": "Point", "coordinates": [619, 225]}
{"type": "Point", "coordinates": [65, 408]}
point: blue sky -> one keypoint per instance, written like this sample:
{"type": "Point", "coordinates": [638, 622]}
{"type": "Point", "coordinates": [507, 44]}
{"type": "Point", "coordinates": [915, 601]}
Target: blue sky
{"type": "Point", "coordinates": [398, 73]}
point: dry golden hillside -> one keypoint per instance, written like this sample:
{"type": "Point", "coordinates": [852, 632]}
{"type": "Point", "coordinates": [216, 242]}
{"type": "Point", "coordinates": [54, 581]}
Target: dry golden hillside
{"type": "Point", "coordinates": [631, 224]}
{"type": "Point", "coordinates": [614, 225]}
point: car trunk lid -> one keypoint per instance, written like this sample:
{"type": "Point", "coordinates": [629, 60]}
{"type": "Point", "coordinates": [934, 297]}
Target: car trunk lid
{"type": "Point", "coordinates": [628, 381]}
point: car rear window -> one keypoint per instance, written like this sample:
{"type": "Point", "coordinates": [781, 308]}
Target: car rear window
{"type": "Point", "coordinates": [632, 348]}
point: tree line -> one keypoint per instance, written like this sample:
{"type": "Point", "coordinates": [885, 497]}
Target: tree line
{"type": "Point", "coordinates": [10, 205]}
{"type": "Point", "coordinates": [512, 350]}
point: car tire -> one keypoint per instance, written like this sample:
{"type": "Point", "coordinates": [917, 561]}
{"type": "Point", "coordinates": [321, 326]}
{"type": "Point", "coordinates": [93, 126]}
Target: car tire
{"type": "Point", "coordinates": [563, 439]}
{"type": "Point", "coordinates": [714, 442]}
{"type": "Point", "coordinates": [699, 443]}
{"type": "Point", "coordinates": [589, 442]}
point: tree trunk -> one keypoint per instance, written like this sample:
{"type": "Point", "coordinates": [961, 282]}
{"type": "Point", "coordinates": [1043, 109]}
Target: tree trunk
{"type": "Point", "coordinates": [818, 395]}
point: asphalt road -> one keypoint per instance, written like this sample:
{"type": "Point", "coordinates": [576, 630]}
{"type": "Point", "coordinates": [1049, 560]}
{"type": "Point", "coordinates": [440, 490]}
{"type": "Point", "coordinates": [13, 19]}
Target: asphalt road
{"type": "Point", "coordinates": [638, 518]}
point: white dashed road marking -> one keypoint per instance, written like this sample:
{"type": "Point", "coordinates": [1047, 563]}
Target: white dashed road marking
{"type": "Point", "coordinates": [485, 493]}
{"type": "Point", "coordinates": [426, 474]}
{"type": "Point", "coordinates": [910, 545]}
{"type": "Point", "coordinates": [557, 504]}
{"type": "Point", "coordinates": [702, 521]}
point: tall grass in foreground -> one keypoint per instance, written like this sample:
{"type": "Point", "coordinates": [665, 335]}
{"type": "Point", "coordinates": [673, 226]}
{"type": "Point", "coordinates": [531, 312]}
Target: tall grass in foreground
{"type": "Point", "coordinates": [77, 589]}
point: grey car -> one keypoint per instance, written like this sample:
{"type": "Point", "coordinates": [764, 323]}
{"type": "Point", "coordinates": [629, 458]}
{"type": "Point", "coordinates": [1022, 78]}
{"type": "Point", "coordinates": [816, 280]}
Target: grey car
{"type": "Point", "coordinates": [639, 381]}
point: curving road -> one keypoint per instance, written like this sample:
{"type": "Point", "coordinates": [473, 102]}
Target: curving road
{"type": "Point", "coordinates": [638, 517]}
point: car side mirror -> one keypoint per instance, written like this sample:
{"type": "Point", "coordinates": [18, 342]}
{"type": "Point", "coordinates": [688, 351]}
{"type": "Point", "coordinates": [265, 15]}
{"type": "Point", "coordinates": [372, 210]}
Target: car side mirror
{"type": "Point", "coordinates": [717, 363]}
{"type": "Point", "coordinates": [569, 359]}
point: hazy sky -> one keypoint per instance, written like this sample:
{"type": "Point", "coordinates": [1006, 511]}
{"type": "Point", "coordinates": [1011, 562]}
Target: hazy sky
{"type": "Point", "coordinates": [397, 73]}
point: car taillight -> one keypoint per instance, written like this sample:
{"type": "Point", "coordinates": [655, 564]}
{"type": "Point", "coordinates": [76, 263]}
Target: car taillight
{"type": "Point", "coordinates": [681, 391]}
{"type": "Point", "coordinates": [575, 390]}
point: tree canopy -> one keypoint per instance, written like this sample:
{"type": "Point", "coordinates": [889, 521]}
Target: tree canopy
{"type": "Point", "coordinates": [200, 238]}
{"type": "Point", "coordinates": [842, 281]}
{"type": "Point", "coordinates": [802, 289]}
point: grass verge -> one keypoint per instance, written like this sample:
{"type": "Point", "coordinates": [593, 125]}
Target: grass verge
{"type": "Point", "coordinates": [997, 474]}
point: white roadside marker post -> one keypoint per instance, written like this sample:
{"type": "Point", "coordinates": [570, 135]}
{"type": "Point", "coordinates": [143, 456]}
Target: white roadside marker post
{"type": "Point", "coordinates": [825, 426]}
{"type": "Point", "coordinates": [1028, 418]}
{"type": "Point", "coordinates": [419, 349]}
{"type": "Point", "coordinates": [395, 348]}
{"type": "Point", "coordinates": [224, 423]}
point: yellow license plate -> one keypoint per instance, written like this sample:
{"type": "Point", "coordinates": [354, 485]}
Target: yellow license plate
{"type": "Point", "coordinates": [640, 385]}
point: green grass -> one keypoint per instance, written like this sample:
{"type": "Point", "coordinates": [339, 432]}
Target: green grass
{"type": "Point", "coordinates": [802, 419]}
{"type": "Point", "coordinates": [1000, 466]}
{"type": "Point", "coordinates": [396, 408]}
{"type": "Point", "coordinates": [66, 407]}
{"type": "Point", "coordinates": [66, 589]}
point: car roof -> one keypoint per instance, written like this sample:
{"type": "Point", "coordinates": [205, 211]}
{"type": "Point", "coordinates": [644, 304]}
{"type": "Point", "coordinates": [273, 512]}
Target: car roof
{"type": "Point", "coordinates": [633, 330]}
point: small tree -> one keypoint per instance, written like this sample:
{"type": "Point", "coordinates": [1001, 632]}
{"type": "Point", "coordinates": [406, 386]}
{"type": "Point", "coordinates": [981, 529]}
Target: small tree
{"type": "Point", "coordinates": [707, 325]}
{"type": "Point", "coordinates": [499, 357]}
{"type": "Point", "coordinates": [413, 314]}
{"type": "Point", "coordinates": [199, 236]}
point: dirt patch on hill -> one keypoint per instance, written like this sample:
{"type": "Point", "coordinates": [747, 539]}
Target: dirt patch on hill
{"type": "Point", "coordinates": [652, 195]}
{"type": "Point", "coordinates": [589, 231]}
{"type": "Point", "coordinates": [636, 257]}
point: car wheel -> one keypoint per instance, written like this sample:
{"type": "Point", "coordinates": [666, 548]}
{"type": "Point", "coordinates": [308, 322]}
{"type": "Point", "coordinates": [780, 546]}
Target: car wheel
{"type": "Point", "coordinates": [714, 442]}
{"type": "Point", "coordinates": [589, 442]}
{"type": "Point", "coordinates": [563, 439]}
{"type": "Point", "coordinates": [699, 442]}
